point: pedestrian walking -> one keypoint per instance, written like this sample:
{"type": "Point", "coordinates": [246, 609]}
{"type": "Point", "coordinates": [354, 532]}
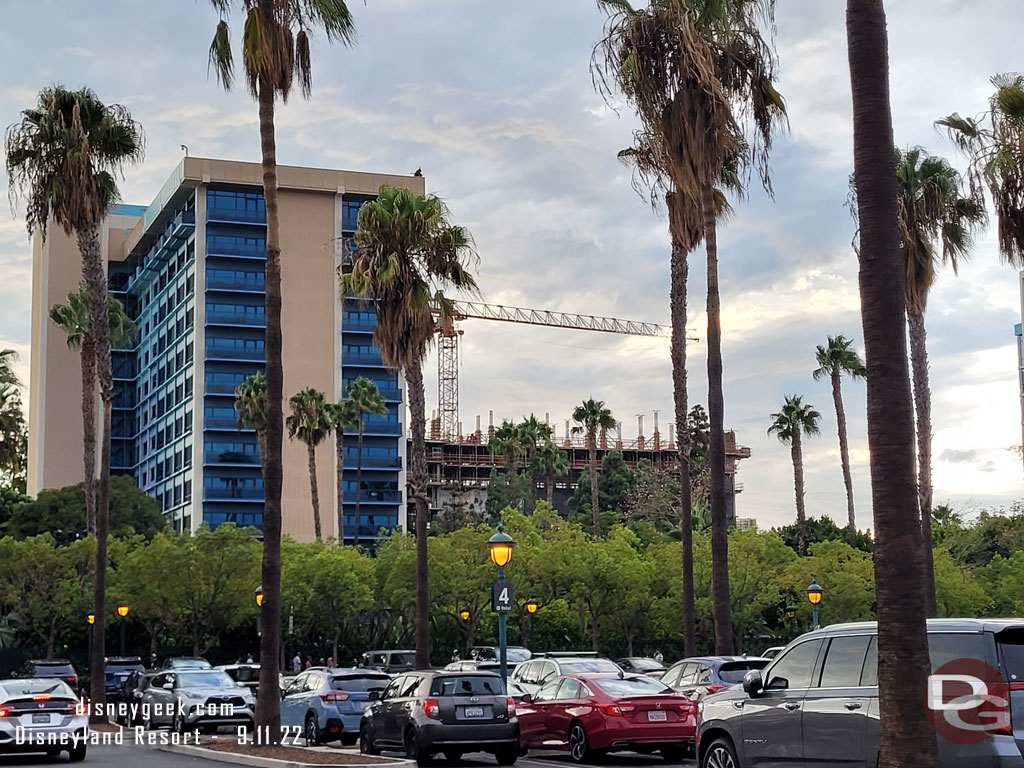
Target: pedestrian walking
{"type": "Point", "coordinates": [297, 663]}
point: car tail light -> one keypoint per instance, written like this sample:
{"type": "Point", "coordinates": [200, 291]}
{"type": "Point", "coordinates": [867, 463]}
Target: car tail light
{"type": "Point", "coordinates": [1017, 686]}
{"type": "Point", "coordinates": [334, 697]}
{"type": "Point", "coordinates": [72, 680]}
{"type": "Point", "coordinates": [510, 703]}
{"type": "Point", "coordinates": [716, 688]}
{"type": "Point", "coordinates": [4, 711]}
{"type": "Point", "coordinates": [432, 708]}
{"type": "Point", "coordinates": [80, 708]}
{"type": "Point", "coordinates": [40, 698]}
{"type": "Point", "coordinates": [616, 710]}
{"type": "Point", "coordinates": [687, 708]}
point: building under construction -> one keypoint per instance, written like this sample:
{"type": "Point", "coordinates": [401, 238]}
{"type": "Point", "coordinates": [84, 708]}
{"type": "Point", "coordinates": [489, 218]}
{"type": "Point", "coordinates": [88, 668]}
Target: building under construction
{"type": "Point", "coordinates": [459, 466]}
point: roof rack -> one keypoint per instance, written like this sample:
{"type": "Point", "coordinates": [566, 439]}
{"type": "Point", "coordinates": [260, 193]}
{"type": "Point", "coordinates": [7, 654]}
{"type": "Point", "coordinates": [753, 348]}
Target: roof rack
{"type": "Point", "coordinates": [566, 654]}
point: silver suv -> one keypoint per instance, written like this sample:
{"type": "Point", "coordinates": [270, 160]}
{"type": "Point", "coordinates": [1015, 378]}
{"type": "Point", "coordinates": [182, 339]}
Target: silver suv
{"type": "Point", "coordinates": [532, 675]}
{"type": "Point", "coordinates": [816, 703]}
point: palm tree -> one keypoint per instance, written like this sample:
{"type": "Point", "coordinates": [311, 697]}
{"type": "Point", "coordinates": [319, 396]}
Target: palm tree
{"type": "Point", "coordinates": [343, 418]}
{"type": "Point", "coordinates": [933, 212]}
{"type": "Point", "coordinates": [690, 68]}
{"type": "Point", "coordinates": [75, 320]}
{"type": "Point", "coordinates": [591, 417]}
{"type": "Point", "coordinates": [251, 407]}
{"type": "Point", "coordinates": [63, 158]}
{"type": "Point", "coordinates": [796, 418]}
{"type": "Point", "coordinates": [408, 253]}
{"type": "Point", "coordinates": [310, 421]}
{"type": "Point", "coordinates": [534, 433]}
{"type": "Point", "coordinates": [551, 461]}
{"type": "Point", "coordinates": [275, 51]}
{"type": "Point", "coordinates": [509, 441]}
{"type": "Point", "coordinates": [905, 737]}
{"type": "Point", "coordinates": [994, 144]}
{"type": "Point", "coordinates": [365, 398]}
{"type": "Point", "coordinates": [835, 359]}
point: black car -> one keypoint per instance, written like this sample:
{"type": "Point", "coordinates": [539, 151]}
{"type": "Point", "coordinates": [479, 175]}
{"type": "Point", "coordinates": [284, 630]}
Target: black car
{"type": "Point", "coordinates": [116, 670]}
{"type": "Point", "coordinates": [429, 712]}
{"type": "Point", "coordinates": [703, 675]}
{"type": "Point", "coordinates": [59, 668]}
{"type": "Point", "coordinates": [132, 689]}
{"type": "Point", "coordinates": [642, 665]}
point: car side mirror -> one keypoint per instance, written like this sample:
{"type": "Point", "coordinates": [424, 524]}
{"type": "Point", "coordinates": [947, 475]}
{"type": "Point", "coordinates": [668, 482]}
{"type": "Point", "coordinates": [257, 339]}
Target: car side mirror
{"type": "Point", "coordinates": [752, 682]}
{"type": "Point", "coordinates": [373, 695]}
{"type": "Point", "coordinates": [526, 699]}
{"type": "Point", "coordinates": [168, 686]}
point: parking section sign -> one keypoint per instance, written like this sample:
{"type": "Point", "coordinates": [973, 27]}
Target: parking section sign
{"type": "Point", "coordinates": [503, 597]}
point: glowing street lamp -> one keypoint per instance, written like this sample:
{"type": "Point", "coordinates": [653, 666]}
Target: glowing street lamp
{"type": "Point", "coordinates": [531, 606]}
{"type": "Point", "coordinates": [500, 547]}
{"type": "Point", "coordinates": [122, 610]}
{"type": "Point", "coordinates": [259, 612]}
{"type": "Point", "coordinates": [464, 614]}
{"type": "Point", "coordinates": [814, 595]}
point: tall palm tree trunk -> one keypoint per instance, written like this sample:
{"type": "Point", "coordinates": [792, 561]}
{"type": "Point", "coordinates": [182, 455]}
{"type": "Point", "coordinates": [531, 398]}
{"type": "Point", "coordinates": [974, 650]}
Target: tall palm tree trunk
{"type": "Point", "coordinates": [716, 450]}
{"type": "Point", "coordinates": [797, 453]}
{"type": "Point", "coordinates": [844, 456]}
{"type": "Point", "coordinates": [359, 477]}
{"type": "Point", "coordinates": [94, 271]}
{"type": "Point", "coordinates": [903, 663]}
{"type": "Point", "coordinates": [923, 408]}
{"type": "Point", "coordinates": [340, 480]}
{"type": "Point", "coordinates": [418, 486]}
{"type": "Point", "coordinates": [314, 492]}
{"type": "Point", "coordinates": [268, 708]}
{"type": "Point", "coordinates": [592, 445]}
{"type": "Point", "coordinates": [88, 360]}
{"type": "Point", "coordinates": [549, 482]}
{"type": "Point", "coordinates": [533, 480]}
{"type": "Point", "coordinates": [677, 302]}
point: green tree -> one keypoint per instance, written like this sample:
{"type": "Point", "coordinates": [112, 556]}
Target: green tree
{"type": "Point", "coordinates": [795, 419]}
{"type": "Point", "coordinates": [534, 434]}
{"type": "Point", "coordinates": [498, 496]}
{"type": "Point", "coordinates": [616, 485]}
{"type": "Point", "coordinates": [509, 441]}
{"type": "Point", "coordinates": [75, 320]}
{"type": "Point", "coordinates": [822, 529]}
{"type": "Point", "coordinates": [63, 159]}
{"type": "Point", "coordinates": [252, 406]}
{"type": "Point", "coordinates": [408, 253]}
{"type": "Point", "coordinates": [365, 398]}
{"type": "Point", "coordinates": [13, 430]}
{"type": "Point", "coordinates": [959, 592]}
{"type": "Point", "coordinates": [836, 358]}
{"type": "Point", "coordinates": [343, 417]}
{"type": "Point", "coordinates": [275, 48]}
{"type": "Point", "coordinates": [590, 417]}
{"type": "Point", "coordinates": [460, 577]}
{"type": "Point", "coordinates": [147, 579]}
{"type": "Point", "coordinates": [903, 662]}
{"type": "Point", "coordinates": [310, 421]}
{"type": "Point", "coordinates": [10, 500]}
{"type": "Point", "coordinates": [551, 462]}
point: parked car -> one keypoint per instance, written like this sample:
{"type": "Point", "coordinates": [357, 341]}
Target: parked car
{"type": "Point", "coordinates": [391, 662]}
{"type": "Point", "coordinates": [47, 668]}
{"type": "Point", "coordinates": [435, 711]}
{"type": "Point", "coordinates": [772, 652]}
{"type": "Point", "coordinates": [185, 699]}
{"type": "Point", "coordinates": [132, 690]}
{"type": "Point", "coordinates": [593, 714]}
{"type": "Point", "coordinates": [328, 704]}
{"type": "Point", "coordinates": [542, 668]}
{"type": "Point", "coordinates": [816, 703]}
{"type": "Point", "coordinates": [697, 677]}
{"type": "Point", "coordinates": [474, 665]}
{"type": "Point", "coordinates": [514, 654]}
{"type": "Point", "coordinates": [642, 665]}
{"type": "Point", "coordinates": [34, 710]}
{"type": "Point", "coordinates": [246, 674]}
{"type": "Point", "coordinates": [116, 670]}
{"type": "Point", "coordinates": [186, 662]}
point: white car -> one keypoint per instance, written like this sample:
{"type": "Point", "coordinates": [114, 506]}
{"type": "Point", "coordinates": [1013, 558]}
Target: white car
{"type": "Point", "coordinates": [42, 715]}
{"type": "Point", "coordinates": [197, 698]}
{"type": "Point", "coordinates": [532, 675]}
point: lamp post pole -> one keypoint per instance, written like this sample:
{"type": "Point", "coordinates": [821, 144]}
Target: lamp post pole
{"type": "Point", "coordinates": [502, 632]}
{"type": "Point", "coordinates": [814, 595]}
{"type": "Point", "coordinates": [91, 619]}
{"type": "Point", "coordinates": [502, 594]}
{"type": "Point", "coordinates": [122, 611]}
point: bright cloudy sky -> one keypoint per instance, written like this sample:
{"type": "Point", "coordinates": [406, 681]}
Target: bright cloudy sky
{"type": "Point", "coordinates": [495, 102]}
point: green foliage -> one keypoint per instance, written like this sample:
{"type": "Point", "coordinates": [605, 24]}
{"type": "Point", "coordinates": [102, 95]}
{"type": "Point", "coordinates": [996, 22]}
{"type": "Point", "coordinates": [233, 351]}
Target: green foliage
{"type": "Point", "coordinates": [616, 486]}
{"type": "Point", "coordinates": [823, 529]}
{"type": "Point", "coordinates": [61, 512]}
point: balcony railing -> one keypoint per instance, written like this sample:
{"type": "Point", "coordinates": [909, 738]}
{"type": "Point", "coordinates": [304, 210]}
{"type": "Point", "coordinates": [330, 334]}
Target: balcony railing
{"type": "Point", "coordinates": [382, 429]}
{"type": "Point", "coordinates": [367, 496]}
{"type": "Point", "coordinates": [243, 215]}
{"type": "Point", "coordinates": [253, 355]}
{"type": "Point", "coordinates": [220, 422]}
{"type": "Point", "coordinates": [233, 493]}
{"type": "Point", "coordinates": [221, 388]}
{"type": "Point", "coordinates": [235, 318]}
{"type": "Point", "coordinates": [373, 462]}
{"type": "Point", "coordinates": [348, 324]}
{"type": "Point", "coordinates": [231, 457]}
{"type": "Point", "coordinates": [368, 358]}
{"type": "Point", "coordinates": [243, 251]}
{"type": "Point", "coordinates": [232, 284]}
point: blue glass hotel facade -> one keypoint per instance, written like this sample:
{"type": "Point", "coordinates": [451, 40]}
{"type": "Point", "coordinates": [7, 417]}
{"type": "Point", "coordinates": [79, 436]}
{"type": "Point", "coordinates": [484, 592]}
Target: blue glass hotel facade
{"type": "Point", "coordinates": [189, 269]}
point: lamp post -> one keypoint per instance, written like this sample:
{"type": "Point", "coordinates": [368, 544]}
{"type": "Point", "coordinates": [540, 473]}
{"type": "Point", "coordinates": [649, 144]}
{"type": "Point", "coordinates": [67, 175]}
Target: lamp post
{"type": "Point", "coordinates": [790, 615]}
{"type": "Point", "coordinates": [259, 611]}
{"type": "Point", "coordinates": [500, 547]}
{"type": "Point", "coordinates": [531, 608]}
{"type": "Point", "coordinates": [122, 611]}
{"type": "Point", "coordinates": [814, 594]}
{"type": "Point", "coordinates": [91, 618]}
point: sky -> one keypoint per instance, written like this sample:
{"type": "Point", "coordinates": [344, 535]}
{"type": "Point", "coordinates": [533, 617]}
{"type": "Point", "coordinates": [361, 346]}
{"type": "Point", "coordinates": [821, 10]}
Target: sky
{"type": "Point", "coordinates": [496, 104]}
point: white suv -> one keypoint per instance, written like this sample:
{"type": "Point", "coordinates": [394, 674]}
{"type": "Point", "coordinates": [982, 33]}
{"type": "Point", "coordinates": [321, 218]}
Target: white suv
{"type": "Point", "coordinates": [533, 674]}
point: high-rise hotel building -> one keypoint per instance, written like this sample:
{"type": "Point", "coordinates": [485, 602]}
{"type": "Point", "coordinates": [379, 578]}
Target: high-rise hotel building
{"type": "Point", "coordinates": [189, 269]}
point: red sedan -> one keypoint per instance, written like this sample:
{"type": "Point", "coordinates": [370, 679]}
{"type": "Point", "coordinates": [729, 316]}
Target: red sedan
{"type": "Point", "coordinates": [591, 714]}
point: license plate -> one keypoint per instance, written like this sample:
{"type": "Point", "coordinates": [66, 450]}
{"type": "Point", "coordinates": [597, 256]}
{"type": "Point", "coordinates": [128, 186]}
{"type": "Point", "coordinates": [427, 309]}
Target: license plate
{"type": "Point", "coordinates": [40, 718]}
{"type": "Point", "coordinates": [657, 717]}
{"type": "Point", "coordinates": [473, 711]}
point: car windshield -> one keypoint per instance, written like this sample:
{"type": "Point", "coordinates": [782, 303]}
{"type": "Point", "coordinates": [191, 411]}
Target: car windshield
{"type": "Point", "coordinates": [733, 671]}
{"type": "Point", "coordinates": [577, 666]}
{"type": "Point", "coordinates": [516, 655]}
{"type": "Point", "coordinates": [244, 674]}
{"type": "Point", "coordinates": [402, 658]}
{"type": "Point", "coordinates": [35, 688]}
{"type": "Point", "coordinates": [468, 685]}
{"type": "Point", "coordinates": [360, 683]}
{"type": "Point", "coordinates": [631, 686]}
{"type": "Point", "coordinates": [208, 679]}
{"type": "Point", "coordinates": [190, 664]}
{"type": "Point", "coordinates": [647, 665]}
{"type": "Point", "coordinates": [42, 668]}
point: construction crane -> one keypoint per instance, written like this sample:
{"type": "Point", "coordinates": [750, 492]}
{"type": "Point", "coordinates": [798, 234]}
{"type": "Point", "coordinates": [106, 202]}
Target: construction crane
{"type": "Point", "coordinates": [448, 342]}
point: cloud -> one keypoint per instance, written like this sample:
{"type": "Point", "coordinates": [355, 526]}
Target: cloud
{"type": "Point", "coordinates": [958, 457]}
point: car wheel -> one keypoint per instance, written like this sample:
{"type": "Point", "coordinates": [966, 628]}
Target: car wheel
{"type": "Point", "coordinates": [413, 751]}
{"type": "Point", "coordinates": [720, 755]}
{"type": "Point", "coordinates": [366, 745]}
{"type": "Point", "coordinates": [178, 725]}
{"type": "Point", "coordinates": [579, 746]}
{"type": "Point", "coordinates": [312, 731]}
{"type": "Point", "coordinates": [506, 755]}
{"type": "Point", "coordinates": [452, 755]}
{"type": "Point", "coordinates": [673, 753]}
{"type": "Point", "coordinates": [77, 753]}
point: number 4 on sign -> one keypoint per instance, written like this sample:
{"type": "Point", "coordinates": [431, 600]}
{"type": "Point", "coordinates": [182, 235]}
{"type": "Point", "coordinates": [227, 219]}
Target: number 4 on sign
{"type": "Point", "coordinates": [503, 597]}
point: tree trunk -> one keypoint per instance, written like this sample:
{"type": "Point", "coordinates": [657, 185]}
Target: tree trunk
{"type": "Point", "coordinates": [268, 707]}
{"type": "Point", "coordinates": [844, 456]}
{"type": "Point", "coordinates": [334, 647]}
{"type": "Point", "coordinates": [154, 634]}
{"type": "Point", "coordinates": [906, 738]}
{"type": "Point", "coordinates": [339, 440]}
{"type": "Point", "coordinates": [549, 481]}
{"type": "Point", "coordinates": [923, 408]}
{"type": "Point", "coordinates": [796, 451]}
{"type": "Point", "coordinates": [359, 477]}
{"type": "Point", "coordinates": [716, 450]}
{"type": "Point", "coordinates": [94, 271]}
{"type": "Point", "coordinates": [88, 355]}
{"type": "Point", "coordinates": [592, 445]}
{"type": "Point", "coordinates": [531, 455]}
{"type": "Point", "coordinates": [313, 492]}
{"type": "Point", "coordinates": [418, 486]}
{"type": "Point", "coordinates": [677, 303]}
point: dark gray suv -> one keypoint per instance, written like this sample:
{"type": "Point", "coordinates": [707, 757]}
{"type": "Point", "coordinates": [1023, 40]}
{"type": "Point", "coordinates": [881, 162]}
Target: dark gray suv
{"type": "Point", "coordinates": [816, 703]}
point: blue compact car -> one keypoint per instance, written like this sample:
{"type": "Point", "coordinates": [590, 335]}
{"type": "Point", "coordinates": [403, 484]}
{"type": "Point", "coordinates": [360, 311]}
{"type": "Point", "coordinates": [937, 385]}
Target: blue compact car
{"type": "Point", "coordinates": [328, 704]}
